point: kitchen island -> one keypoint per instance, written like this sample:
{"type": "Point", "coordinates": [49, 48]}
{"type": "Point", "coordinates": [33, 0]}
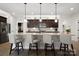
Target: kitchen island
{"type": "Point", "coordinates": [43, 37]}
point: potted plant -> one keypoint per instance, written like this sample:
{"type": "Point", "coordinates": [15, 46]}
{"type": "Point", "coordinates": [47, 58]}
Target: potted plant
{"type": "Point", "coordinates": [68, 31]}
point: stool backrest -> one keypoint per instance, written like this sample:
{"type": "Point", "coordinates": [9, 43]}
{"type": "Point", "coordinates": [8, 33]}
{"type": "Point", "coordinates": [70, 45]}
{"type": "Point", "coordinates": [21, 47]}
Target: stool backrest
{"type": "Point", "coordinates": [36, 38]}
{"type": "Point", "coordinates": [47, 38]}
{"type": "Point", "coordinates": [65, 38]}
{"type": "Point", "coordinates": [19, 38]}
{"type": "Point", "coordinates": [55, 38]}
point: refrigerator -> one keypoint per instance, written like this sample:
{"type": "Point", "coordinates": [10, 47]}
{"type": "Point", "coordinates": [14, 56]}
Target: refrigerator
{"type": "Point", "coordinates": [3, 30]}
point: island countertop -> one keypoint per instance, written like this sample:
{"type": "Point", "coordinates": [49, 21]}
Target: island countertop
{"type": "Point", "coordinates": [43, 33]}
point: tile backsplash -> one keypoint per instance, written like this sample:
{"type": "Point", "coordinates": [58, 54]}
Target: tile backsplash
{"type": "Point", "coordinates": [42, 29]}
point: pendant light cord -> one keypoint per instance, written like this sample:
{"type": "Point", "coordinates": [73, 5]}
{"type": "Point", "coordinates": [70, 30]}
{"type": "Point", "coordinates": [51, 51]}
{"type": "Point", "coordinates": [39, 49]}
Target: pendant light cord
{"type": "Point", "coordinates": [55, 10]}
{"type": "Point", "coordinates": [25, 10]}
{"type": "Point", "coordinates": [40, 10]}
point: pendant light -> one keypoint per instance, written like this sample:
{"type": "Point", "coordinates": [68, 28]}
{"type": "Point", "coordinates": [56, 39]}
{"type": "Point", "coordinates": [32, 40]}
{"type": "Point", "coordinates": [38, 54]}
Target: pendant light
{"type": "Point", "coordinates": [56, 20]}
{"type": "Point", "coordinates": [25, 13]}
{"type": "Point", "coordinates": [40, 13]}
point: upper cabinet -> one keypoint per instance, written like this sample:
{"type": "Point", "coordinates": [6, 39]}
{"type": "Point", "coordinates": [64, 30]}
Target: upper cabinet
{"type": "Point", "coordinates": [33, 23]}
{"type": "Point", "coordinates": [46, 23]}
{"type": "Point", "coordinates": [50, 23]}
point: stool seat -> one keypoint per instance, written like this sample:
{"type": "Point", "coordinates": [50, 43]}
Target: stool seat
{"type": "Point", "coordinates": [35, 41]}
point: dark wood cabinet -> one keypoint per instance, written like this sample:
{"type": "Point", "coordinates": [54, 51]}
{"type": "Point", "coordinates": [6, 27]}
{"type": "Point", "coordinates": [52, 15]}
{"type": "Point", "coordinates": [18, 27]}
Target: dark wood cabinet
{"type": "Point", "coordinates": [47, 22]}
{"type": "Point", "coordinates": [33, 23]}
{"type": "Point", "coordinates": [50, 23]}
{"type": "Point", "coordinates": [3, 30]}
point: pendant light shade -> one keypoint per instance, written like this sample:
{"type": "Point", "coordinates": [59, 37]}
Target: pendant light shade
{"type": "Point", "coordinates": [56, 20]}
{"type": "Point", "coordinates": [25, 13]}
{"type": "Point", "coordinates": [40, 13]}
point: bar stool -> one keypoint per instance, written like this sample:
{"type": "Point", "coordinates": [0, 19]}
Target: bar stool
{"type": "Point", "coordinates": [34, 44]}
{"type": "Point", "coordinates": [48, 44]}
{"type": "Point", "coordinates": [17, 40]}
{"type": "Point", "coordinates": [66, 43]}
{"type": "Point", "coordinates": [56, 41]}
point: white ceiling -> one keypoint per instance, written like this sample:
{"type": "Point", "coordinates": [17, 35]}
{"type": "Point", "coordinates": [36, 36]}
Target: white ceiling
{"type": "Point", "coordinates": [34, 8]}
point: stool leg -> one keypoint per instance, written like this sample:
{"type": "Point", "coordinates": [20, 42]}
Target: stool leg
{"type": "Point", "coordinates": [53, 48]}
{"type": "Point", "coordinates": [60, 46]}
{"type": "Point", "coordinates": [45, 49]}
{"type": "Point", "coordinates": [72, 46]}
{"type": "Point", "coordinates": [72, 49]}
{"type": "Point", "coordinates": [37, 48]}
{"type": "Point", "coordinates": [22, 45]}
{"type": "Point", "coordinates": [64, 49]}
{"type": "Point", "coordinates": [10, 48]}
{"type": "Point", "coordinates": [17, 45]}
{"type": "Point", "coordinates": [67, 48]}
{"type": "Point", "coordinates": [29, 48]}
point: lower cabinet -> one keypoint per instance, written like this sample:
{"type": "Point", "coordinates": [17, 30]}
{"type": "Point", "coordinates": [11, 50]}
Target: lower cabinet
{"type": "Point", "coordinates": [3, 38]}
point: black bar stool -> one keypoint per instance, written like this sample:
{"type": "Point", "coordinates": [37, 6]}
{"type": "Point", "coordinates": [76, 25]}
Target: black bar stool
{"type": "Point", "coordinates": [17, 41]}
{"type": "Point", "coordinates": [34, 44]}
{"type": "Point", "coordinates": [66, 42]}
{"type": "Point", "coordinates": [49, 46]}
{"type": "Point", "coordinates": [55, 39]}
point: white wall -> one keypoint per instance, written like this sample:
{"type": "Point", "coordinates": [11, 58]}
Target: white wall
{"type": "Point", "coordinates": [75, 26]}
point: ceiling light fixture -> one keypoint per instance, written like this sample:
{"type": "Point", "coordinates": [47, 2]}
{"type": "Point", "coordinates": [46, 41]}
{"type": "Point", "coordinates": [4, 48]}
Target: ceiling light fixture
{"type": "Point", "coordinates": [56, 20]}
{"type": "Point", "coordinates": [25, 13]}
{"type": "Point", "coordinates": [40, 13]}
{"type": "Point", "coordinates": [71, 9]}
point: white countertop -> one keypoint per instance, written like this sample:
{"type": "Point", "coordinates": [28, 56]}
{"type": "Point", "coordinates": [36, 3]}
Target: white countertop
{"type": "Point", "coordinates": [29, 33]}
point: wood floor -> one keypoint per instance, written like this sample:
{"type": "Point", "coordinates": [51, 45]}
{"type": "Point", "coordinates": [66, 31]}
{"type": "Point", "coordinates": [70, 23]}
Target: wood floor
{"type": "Point", "coordinates": [4, 49]}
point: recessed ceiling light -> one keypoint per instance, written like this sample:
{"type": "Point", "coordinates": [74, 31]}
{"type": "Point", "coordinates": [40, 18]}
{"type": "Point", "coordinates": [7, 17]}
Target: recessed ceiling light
{"type": "Point", "coordinates": [71, 9]}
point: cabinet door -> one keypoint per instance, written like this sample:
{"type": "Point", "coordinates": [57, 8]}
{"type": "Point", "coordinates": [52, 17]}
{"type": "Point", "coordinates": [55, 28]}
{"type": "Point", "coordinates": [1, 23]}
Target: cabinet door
{"type": "Point", "coordinates": [4, 38]}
